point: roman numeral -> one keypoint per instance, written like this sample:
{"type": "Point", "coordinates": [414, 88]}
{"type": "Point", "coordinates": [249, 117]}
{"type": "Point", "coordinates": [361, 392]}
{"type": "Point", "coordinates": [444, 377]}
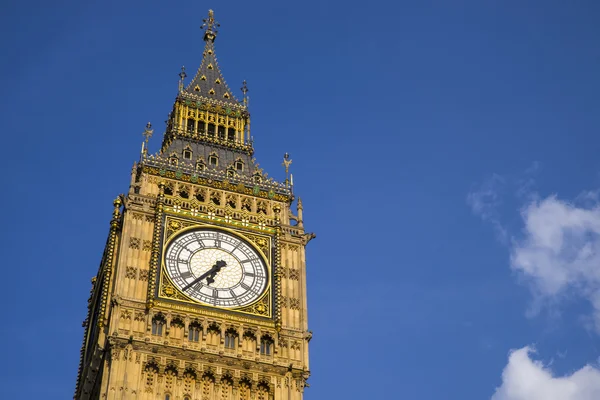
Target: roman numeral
{"type": "Point", "coordinates": [185, 275]}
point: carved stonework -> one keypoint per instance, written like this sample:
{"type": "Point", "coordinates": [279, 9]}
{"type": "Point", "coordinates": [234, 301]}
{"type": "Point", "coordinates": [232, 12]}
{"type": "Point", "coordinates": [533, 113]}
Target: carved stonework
{"type": "Point", "coordinates": [246, 335]}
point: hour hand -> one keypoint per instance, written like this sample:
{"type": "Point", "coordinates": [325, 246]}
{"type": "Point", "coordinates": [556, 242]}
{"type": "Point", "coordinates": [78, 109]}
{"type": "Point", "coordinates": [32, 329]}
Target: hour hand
{"type": "Point", "coordinates": [210, 274]}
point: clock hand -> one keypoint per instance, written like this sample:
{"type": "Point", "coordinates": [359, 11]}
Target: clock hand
{"type": "Point", "coordinates": [216, 268]}
{"type": "Point", "coordinates": [210, 274]}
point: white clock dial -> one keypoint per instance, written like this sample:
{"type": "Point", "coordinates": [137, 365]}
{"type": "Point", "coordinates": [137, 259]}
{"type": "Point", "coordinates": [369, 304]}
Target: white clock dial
{"type": "Point", "coordinates": [216, 268]}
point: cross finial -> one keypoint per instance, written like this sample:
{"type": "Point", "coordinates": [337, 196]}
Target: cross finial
{"type": "Point", "coordinates": [210, 24]}
{"type": "Point", "coordinates": [182, 76]}
{"type": "Point", "coordinates": [244, 90]}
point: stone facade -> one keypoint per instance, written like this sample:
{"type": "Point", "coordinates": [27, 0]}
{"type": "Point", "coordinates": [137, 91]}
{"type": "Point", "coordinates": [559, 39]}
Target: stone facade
{"type": "Point", "coordinates": [144, 338]}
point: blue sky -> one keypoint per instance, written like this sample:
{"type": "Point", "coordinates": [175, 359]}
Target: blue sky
{"type": "Point", "coordinates": [446, 153]}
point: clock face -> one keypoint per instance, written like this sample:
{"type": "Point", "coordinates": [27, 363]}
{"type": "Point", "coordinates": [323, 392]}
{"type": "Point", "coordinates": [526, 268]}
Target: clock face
{"type": "Point", "coordinates": [216, 268]}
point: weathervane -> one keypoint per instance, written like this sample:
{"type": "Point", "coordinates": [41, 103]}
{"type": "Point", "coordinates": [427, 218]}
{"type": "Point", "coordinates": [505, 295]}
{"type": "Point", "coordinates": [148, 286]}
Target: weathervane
{"type": "Point", "coordinates": [289, 179]}
{"type": "Point", "coordinates": [147, 135]}
{"type": "Point", "coordinates": [182, 76]}
{"type": "Point", "coordinates": [210, 24]}
{"type": "Point", "coordinates": [244, 90]}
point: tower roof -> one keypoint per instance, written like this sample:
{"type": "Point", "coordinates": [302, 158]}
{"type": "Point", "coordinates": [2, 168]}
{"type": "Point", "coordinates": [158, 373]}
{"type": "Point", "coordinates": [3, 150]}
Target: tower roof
{"type": "Point", "coordinates": [208, 83]}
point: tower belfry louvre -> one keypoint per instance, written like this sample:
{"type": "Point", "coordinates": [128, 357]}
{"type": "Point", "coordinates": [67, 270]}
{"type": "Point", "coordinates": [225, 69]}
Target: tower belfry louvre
{"type": "Point", "coordinates": [201, 289]}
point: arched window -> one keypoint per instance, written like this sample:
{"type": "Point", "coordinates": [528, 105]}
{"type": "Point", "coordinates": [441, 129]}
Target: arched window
{"type": "Point", "coordinates": [211, 130]}
{"type": "Point", "coordinates": [187, 153]}
{"type": "Point", "coordinates": [249, 342]}
{"type": "Point", "coordinates": [167, 397]}
{"type": "Point", "coordinates": [213, 334]}
{"type": "Point", "coordinates": [201, 127]}
{"type": "Point", "coordinates": [266, 345]}
{"type": "Point", "coordinates": [158, 324]}
{"type": "Point", "coordinates": [230, 337]}
{"type": "Point", "coordinates": [176, 328]}
{"type": "Point", "coordinates": [230, 134]}
{"type": "Point", "coordinates": [191, 124]}
{"type": "Point", "coordinates": [230, 172]}
{"type": "Point", "coordinates": [151, 370]}
{"type": "Point", "coordinates": [194, 332]}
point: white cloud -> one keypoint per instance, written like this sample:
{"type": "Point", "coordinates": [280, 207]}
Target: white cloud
{"type": "Point", "coordinates": [484, 202]}
{"type": "Point", "coordinates": [527, 379]}
{"type": "Point", "coordinates": [559, 254]}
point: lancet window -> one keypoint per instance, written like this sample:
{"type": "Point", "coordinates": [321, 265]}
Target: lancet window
{"type": "Point", "coordinates": [158, 325]}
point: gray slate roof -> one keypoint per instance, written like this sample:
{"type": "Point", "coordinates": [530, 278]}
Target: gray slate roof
{"type": "Point", "coordinates": [209, 81]}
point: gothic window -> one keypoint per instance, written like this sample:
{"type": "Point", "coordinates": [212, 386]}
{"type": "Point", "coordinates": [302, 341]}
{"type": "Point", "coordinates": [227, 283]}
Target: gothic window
{"type": "Point", "coordinates": [230, 337]}
{"type": "Point", "coordinates": [189, 376]}
{"type": "Point", "coordinates": [183, 193]}
{"type": "Point", "coordinates": [230, 134]}
{"type": "Point", "coordinates": [191, 124]}
{"type": "Point", "coordinates": [158, 324]}
{"type": "Point", "coordinates": [200, 166]}
{"type": "Point", "coordinates": [221, 132]}
{"type": "Point", "coordinates": [213, 335]}
{"type": "Point", "coordinates": [187, 153]}
{"type": "Point", "coordinates": [245, 386]}
{"type": "Point", "coordinates": [249, 342]}
{"type": "Point", "coordinates": [266, 345]}
{"type": "Point", "coordinates": [213, 160]}
{"type": "Point", "coordinates": [211, 130]}
{"type": "Point", "coordinates": [263, 391]}
{"type": "Point", "coordinates": [257, 177]}
{"type": "Point", "coordinates": [246, 205]}
{"type": "Point", "coordinates": [239, 165]}
{"type": "Point", "coordinates": [226, 387]}
{"type": "Point", "coordinates": [207, 385]}
{"type": "Point", "coordinates": [151, 372]}
{"type": "Point", "coordinates": [169, 190]}
{"type": "Point", "coordinates": [200, 195]}
{"type": "Point", "coordinates": [176, 328]}
{"type": "Point", "coordinates": [170, 377]}
{"type": "Point", "coordinates": [194, 332]}
{"type": "Point", "coordinates": [173, 160]}
{"type": "Point", "coordinates": [261, 208]}
{"type": "Point", "coordinates": [230, 172]}
{"type": "Point", "coordinates": [231, 201]}
{"type": "Point", "coordinates": [201, 127]}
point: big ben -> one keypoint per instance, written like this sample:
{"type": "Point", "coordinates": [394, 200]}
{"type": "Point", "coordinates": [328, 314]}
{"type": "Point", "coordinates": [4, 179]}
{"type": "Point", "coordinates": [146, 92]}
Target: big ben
{"type": "Point", "coordinates": [201, 289]}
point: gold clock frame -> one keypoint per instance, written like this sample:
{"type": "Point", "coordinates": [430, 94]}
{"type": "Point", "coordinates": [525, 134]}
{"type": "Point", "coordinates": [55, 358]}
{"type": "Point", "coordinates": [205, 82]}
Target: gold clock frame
{"type": "Point", "coordinates": [263, 244]}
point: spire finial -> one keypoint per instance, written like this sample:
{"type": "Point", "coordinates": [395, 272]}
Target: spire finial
{"type": "Point", "coordinates": [147, 135]}
{"type": "Point", "coordinates": [244, 90]}
{"type": "Point", "coordinates": [210, 24]}
{"type": "Point", "coordinates": [286, 163]}
{"type": "Point", "coordinates": [182, 76]}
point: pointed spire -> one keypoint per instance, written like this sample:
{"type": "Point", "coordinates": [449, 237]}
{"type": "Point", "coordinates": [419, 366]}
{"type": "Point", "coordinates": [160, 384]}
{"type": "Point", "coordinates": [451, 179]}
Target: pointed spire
{"type": "Point", "coordinates": [286, 163]}
{"type": "Point", "coordinates": [209, 82]}
{"type": "Point", "coordinates": [244, 90]}
{"type": "Point", "coordinates": [182, 76]}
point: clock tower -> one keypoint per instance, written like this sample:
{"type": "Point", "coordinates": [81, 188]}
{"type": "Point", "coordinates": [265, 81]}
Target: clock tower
{"type": "Point", "coordinates": [201, 289]}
